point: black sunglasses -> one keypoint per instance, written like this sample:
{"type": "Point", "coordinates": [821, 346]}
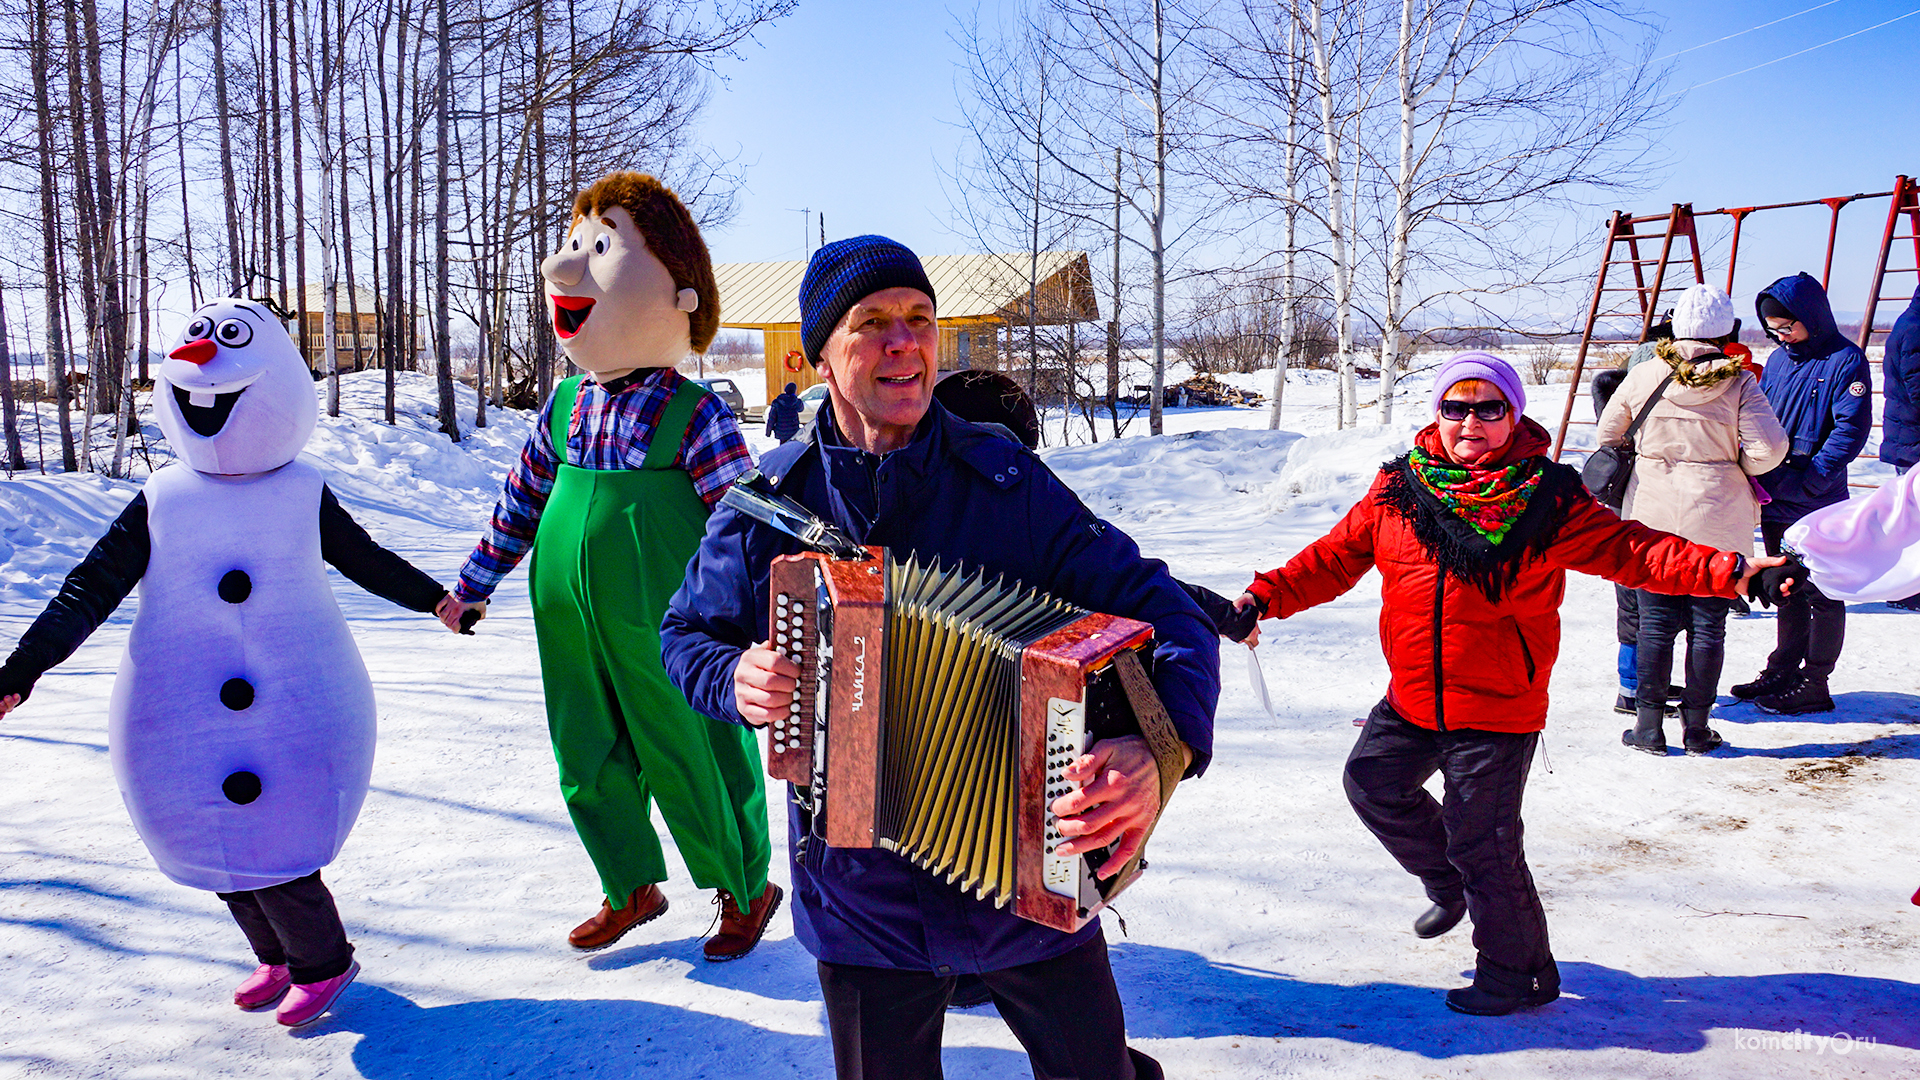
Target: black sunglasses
{"type": "Point", "coordinates": [1487, 411]}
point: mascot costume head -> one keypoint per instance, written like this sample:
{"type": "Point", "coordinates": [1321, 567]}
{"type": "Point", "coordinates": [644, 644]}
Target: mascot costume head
{"type": "Point", "coordinates": [632, 284]}
{"type": "Point", "coordinates": [234, 395]}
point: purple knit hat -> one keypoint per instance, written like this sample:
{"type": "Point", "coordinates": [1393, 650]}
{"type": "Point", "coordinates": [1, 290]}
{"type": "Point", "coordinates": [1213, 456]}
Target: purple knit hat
{"type": "Point", "coordinates": [1480, 365]}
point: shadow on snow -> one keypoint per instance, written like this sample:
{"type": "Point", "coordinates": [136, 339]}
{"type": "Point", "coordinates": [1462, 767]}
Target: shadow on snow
{"type": "Point", "coordinates": [1170, 994]}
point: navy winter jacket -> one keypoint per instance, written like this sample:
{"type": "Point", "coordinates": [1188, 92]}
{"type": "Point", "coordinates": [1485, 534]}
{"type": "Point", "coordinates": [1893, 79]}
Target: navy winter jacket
{"type": "Point", "coordinates": [783, 416]}
{"type": "Point", "coordinates": [1822, 392]}
{"type": "Point", "coordinates": [961, 493]}
{"type": "Point", "coordinates": [1900, 411]}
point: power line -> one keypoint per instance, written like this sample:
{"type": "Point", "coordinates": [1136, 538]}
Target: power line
{"type": "Point", "coordinates": [1802, 52]}
{"type": "Point", "coordinates": [1748, 30]}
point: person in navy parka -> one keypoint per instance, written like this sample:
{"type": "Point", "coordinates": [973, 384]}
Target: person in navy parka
{"type": "Point", "coordinates": [1818, 384]}
{"type": "Point", "coordinates": [1900, 409]}
{"type": "Point", "coordinates": [892, 467]}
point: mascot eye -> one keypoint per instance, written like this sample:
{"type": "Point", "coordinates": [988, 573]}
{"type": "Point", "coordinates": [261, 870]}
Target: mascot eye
{"type": "Point", "coordinates": [576, 243]}
{"type": "Point", "coordinates": [233, 333]}
{"type": "Point", "coordinates": [199, 328]}
{"type": "Point", "coordinates": [600, 246]}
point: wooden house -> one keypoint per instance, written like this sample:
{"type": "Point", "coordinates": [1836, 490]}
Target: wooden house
{"type": "Point", "coordinates": [313, 341]}
{"type": "Point", "coordinates": [982, 302]}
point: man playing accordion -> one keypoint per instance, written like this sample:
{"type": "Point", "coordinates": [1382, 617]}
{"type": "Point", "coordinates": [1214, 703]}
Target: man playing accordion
{"type": "Point", "coordinates": [890, 468]}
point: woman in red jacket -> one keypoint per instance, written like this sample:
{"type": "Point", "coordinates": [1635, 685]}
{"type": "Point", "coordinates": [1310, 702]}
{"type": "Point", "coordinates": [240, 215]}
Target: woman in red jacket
{"type": "Point", "coordinates": [1473, 532]}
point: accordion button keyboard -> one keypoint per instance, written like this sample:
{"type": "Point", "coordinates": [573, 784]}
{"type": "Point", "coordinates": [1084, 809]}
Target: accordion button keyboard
{"type": "Point", "coordinates": [1066, 740]}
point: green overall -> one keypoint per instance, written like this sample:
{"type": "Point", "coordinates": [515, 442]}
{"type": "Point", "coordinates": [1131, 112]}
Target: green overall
{"type": "Point", "coordinates": [611, 549]}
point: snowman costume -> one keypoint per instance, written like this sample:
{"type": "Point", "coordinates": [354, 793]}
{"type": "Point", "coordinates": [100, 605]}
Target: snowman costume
{"type": "Point", "coordinates": [241, 728]}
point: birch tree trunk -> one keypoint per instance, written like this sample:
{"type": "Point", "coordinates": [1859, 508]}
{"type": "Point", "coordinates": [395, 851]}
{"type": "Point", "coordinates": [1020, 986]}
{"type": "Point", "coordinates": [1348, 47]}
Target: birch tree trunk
{"type": "Point", "coordinates": [329, 221]}
{"type": "Point", "coordinates": [1336, 220]}
{"type": "Point", "coordinates": [9, 413]}
{"type": "Point", "coordinates": [442, 293]}
{"type": "Point", "coordinates": [1158, 223]}
{"type": "Point", "coordinates": [1390, 336]}
{"type": "Point", "coordinates": [297, 129]}
{"type": "Point", "coordinates": [50, 239]}
{"type": "Point", "coordinates": [228, 195]}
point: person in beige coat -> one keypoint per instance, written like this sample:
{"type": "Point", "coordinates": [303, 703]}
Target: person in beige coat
{"type": "Point", "coordinates": [1710, 431]}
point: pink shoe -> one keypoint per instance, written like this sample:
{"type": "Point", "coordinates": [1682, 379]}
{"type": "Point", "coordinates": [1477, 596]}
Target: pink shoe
{"type": "Point", "coordinates": [307, 1001]}
{"type": "Point", "coordinates": [263, 987]}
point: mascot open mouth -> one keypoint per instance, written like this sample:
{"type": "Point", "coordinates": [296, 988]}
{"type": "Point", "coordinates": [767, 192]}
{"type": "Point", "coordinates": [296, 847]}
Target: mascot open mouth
{"type": "Point", "coordinates": [569, 312]}
{"type": "Point", "coordinates": [206, 420]}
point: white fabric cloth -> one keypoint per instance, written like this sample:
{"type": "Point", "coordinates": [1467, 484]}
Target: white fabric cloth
{"type": "Point", "coordinates": [1867, 548]}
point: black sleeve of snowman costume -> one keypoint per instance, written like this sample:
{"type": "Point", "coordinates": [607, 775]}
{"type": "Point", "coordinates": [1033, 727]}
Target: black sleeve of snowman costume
{"type": "Point", "coordinates": [348, 548]}
{"type": "Point", "coordinates": [91, 592]}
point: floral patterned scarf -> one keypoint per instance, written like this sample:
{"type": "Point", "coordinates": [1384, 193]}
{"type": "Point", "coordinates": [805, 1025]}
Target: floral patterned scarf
{"type": "Point", "coordinates": [1488, 500]}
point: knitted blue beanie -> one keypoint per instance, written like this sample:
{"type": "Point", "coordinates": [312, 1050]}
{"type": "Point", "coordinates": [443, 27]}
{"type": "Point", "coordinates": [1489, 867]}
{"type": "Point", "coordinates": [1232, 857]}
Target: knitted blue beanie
{"type": "Point", "coordinates": [843, 272]}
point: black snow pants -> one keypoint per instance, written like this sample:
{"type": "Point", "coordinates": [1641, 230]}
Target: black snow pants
{"type": "Point", "coordinates": [1812, 625]}
{"type": "Point", "coordinates": [1467, 846]}
{"type": "Point", "coordinates": [886, 1023]}
{"type": "Point", "coordinates": [294, 924]}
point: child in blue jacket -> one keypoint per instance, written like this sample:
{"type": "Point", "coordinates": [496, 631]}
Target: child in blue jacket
{"type": "Point", "coordinates": [1818, 384]}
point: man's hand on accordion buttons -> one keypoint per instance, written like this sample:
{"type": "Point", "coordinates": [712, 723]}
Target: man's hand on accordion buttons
{"type": "Point", "coordinates": [1117, 800]}
{"type": "Point", "coordinates": [763, 684]}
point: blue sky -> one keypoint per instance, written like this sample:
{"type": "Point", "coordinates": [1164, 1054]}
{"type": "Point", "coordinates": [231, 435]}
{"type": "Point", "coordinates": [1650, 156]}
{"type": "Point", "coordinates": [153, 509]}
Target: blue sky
{"type": "Point", "coordinates": [848, 107]}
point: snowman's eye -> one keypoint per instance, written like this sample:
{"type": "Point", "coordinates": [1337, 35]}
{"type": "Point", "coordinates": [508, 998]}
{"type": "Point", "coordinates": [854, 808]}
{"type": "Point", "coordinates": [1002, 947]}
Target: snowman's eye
{"type": "Point", "coordinates": [199, 328]}
{"type": "Point", "coordinates": [233, 333]}
{"type": "Point", "coordinates": [600, 245]}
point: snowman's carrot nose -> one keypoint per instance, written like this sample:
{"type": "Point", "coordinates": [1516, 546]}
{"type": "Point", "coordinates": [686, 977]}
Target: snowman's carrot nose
{"type": "Point", "coordinates": [194, 352]}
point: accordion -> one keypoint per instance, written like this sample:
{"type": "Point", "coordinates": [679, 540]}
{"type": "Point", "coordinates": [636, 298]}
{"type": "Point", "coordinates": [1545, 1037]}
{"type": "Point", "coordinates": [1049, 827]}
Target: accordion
{"type": "Point", "coordinates": [937, 710]}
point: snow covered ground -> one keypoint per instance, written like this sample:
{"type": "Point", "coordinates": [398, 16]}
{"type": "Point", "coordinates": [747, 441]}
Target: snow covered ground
{"type": "Point", "coordinates": [1742, 915]}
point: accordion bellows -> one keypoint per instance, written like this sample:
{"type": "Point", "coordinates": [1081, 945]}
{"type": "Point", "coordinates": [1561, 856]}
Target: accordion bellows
{"type": "Point", "coordinates": [937, 710]}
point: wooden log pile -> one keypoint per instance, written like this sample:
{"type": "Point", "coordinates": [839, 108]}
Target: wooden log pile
{"type": "Point", "coordinates": [1205, 390]}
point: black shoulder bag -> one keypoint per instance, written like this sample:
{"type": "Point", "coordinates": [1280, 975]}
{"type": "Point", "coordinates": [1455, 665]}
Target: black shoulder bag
{"type": "Point", "coordinates": [1609, 468]}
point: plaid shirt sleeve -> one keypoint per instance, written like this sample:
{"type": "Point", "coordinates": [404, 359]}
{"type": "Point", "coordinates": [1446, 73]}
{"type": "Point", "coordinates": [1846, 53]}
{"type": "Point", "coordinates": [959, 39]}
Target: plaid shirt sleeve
{"type": "Point", "coordinates": [717, 454]}
{"type": "Point", "coordinates": [515, 517]}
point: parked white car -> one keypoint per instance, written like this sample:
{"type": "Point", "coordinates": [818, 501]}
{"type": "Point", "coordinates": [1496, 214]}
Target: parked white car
{"type": "Point", "coordinates": [810, 401]}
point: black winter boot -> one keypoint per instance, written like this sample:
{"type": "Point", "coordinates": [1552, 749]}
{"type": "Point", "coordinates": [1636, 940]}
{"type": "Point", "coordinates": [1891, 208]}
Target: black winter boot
{"type": "Point", "coordinates": [1648, 732]}
{"type": "Point", "coordinates": [1497, 991]}
{"type": "Point", "coordinates": [1700, 738]}
{"type": "Point", "coordinates": [1440, 918]}
{"type": "Point", "coordinates": [1809, 695]}
{"type": "Point", "coordinates": [1769, 682]}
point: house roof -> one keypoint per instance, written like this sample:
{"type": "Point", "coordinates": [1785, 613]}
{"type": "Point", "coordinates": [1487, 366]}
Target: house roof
{"type": "Point", "coordinates": [966, 286]}
{"type": "Point", "coordinates": [317, 298]}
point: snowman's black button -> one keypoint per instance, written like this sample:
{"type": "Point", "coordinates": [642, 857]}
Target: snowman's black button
{"type": "Point", "coordinates": [236, 694]}
{"type": "Point", "coordinates": [236, 586]}
{"type": "Point", "coordinates": [241, 788]}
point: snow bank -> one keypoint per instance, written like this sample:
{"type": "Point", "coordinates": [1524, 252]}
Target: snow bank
{"type": "Point", "coordinates": [1335, 469]}
{"type": "Point", "coordinates": [1136, 478]}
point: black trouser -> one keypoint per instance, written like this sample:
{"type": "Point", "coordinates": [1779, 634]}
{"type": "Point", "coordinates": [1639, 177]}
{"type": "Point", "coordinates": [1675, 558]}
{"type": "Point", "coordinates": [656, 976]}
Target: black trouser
{"type": "Point", "coordinates": [294, 924]}
{"type": "Point", "coordinates": [1812, 625]}
{"type": "Point", "coordinates": [886, 1023]}
{"type": "Point", "coordinates": [1470, 845]}
{"type": "Point", "coordinates": [1704, 618]}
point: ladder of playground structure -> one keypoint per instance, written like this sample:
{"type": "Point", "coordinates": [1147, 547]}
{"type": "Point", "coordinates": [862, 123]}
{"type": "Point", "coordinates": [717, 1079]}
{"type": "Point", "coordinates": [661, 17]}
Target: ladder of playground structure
{"type": "Point", "coordinates": [1903, 212]}
{"type": "Point", "coordinates": [1623, 249]}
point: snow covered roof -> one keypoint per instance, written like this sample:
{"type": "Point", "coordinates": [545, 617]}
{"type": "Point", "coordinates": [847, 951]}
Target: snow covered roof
{"type": "Point", "coordinates": [967, 286]}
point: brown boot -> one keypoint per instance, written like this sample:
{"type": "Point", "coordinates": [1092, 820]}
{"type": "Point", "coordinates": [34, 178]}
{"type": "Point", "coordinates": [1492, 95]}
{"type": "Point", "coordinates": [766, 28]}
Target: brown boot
{"type": "Point", "coordinates": [740, 931]}
{"type": "Point", "coordinates": [645, 905]}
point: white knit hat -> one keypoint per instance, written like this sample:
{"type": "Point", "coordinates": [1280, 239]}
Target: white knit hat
{"type": "Point", "coordinates": [1703, 312]}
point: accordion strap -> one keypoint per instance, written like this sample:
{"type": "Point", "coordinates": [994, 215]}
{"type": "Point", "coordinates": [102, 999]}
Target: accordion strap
{"type": "Point", "coordinates": [1162, 738]}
